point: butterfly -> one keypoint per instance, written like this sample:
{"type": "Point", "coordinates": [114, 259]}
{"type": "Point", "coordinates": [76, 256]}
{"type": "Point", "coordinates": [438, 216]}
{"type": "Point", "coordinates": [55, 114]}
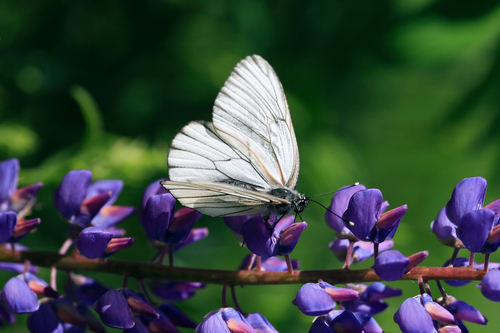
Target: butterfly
{"type": "Point", "coordinates": [246, 161]}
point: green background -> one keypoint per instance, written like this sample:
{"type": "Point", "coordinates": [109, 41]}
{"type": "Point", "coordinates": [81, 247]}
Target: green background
{"type": "Point", "coordinates": [399, 95]}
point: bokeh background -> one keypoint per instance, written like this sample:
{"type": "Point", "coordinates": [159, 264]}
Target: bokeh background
{"type": "Point", "coordinates": [400, 95]}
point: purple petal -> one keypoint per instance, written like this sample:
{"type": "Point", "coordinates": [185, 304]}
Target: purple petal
{"type": "Point", "coordinates": [320, 325]}
{"type": "Point", "coordinates": [283, 223]}
{"type": "Point", "coordinates": [445, 231]}
{"type": "Point", "coordinates": [8, 221]}
{"type": "Point", "coordinates": [364, 250]}
{"type": "Point", "coordinates": [387, 224]}
{"type": "Point", "coordinates": [117, 244]}
{"type": "Point", "coordinates": [235, 321]}
{"type": "Point", "coordinates": [22, 228]}
{"type": "Point", "coordinates": [490, 286]}
{"type": "Point", "coordinates": [24, 197]}
{"type": "Point", "coordinates": [69, 195]}
{"type": "Point", "coordinates": [260, 324]}
{"type": "Point", "coordinates": [257, 235]}
{"type": "Point", "coordinates": [114, 186]}
{"type": "Point", "coordinates": [339, 204]}
{"type": "Point", "coordinates": [436, 311]}
{"type": "Point", "coordinates": [313, 300]}
{"type": "Point", "coordinates": [377, 291]}
{"type": "Point", "coordinates": [181, 225]}
{"type": "Point", "coordinates": [161, 324]}
{"type": "Point", "coordinates": [157, 214]}
{"type": "Point", "coordinates": [235, 223]}
{"type": "Point", "coordinates": [212, 323]}
{"type": "Point", "coordinates": [416, 259]}
{"type": "Point", "coordinates": [175, 291]}
{"type": "Point", "coordinates": [111, 215]}
{"type": "Point", "coordinates": [467, 196]}
{"type": "Point", "coordinates": [369, 324]}
{"type": "Point", "coordinates": [39, 286]}
{"type": "Point", "coordinates": [339, 294]}
{"type": "Point", "coordinates": [139, 305]}
{"type": "Point", "coordinates": [113, 310]}
{"type": "Point", "coordinates": [464, 311]}
{"type": "Point", "coordinates": [153, 189]}
{"type": "Point", "coordinates": [86, 289]}
{"type": "Point", "coordinates": [66, 311]}
{"type": "Point", "coordinates": [344, 321]}
{"type": "Point", "coordinates": [18, 297]}
{"type": "Point", "coordinates": [18, 268]}
{"type": "Point", "coordinates": [363, 212]}
{"type": "Point", "coordinates": [474, 229]}
{"type": "Point", "coordinates": [9, 171]}
{"type": "Point", "coordinates": [176, 316]}
{"type": "Point", "coordinates": [289, 237]}
{"type": "Point", "coordinates": [413, 318]}
{"type": "Point", "coordinates": [276, 264]}
{"type": "Point", "coordinates": [89, 208]}
{"type": "Point", "coordinates": [91, 320]}
{"type": "Point", "coordinates": [194, 236]}
{"type": "Point", "coordinates": [339, 247]}
{"type": "Point", "coordinates": [371, 308]}
{"type": "Point", "coordinates": [493, 241]}
{"type": "Point", "coordinates": [390, 265]}
{"type": "Point", "coordinates": [92, 242]}
{"type": "Point", "coordinates": [44, 320]}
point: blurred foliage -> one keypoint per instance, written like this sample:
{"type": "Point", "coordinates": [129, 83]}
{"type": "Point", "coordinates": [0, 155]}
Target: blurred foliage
{"type": "Point", "coordinates": [400, 95]}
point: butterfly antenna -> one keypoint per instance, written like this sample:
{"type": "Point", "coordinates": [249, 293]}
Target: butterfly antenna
{"type": "Point", "coordinates": [340, 217]}
{"type": "Point", "coordinates": [343, 188]}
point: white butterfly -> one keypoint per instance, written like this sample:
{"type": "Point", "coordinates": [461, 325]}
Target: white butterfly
{"type": "Point", "coordinates": [245, 162]}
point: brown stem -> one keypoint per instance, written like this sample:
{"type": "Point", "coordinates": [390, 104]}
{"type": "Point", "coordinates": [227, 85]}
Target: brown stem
{"type": "Point", "coordinates": [163, 253]}
{"type": "Point", "coordinates": [486, 261]}
{"type": "Point", "coordinates": [375, 251]}
{"type": "Point", "coordinates": [421, 284]}
{"type": "Point", "coordinates": [454, 255]}
{"type": "Point", "coordinates": [251, 260]}
{"type": "Point", "coordinates": [224, 299]}
{"type": "Point", "coordinates": [235, 300]}
{"type": "Point", "coordinates": [289, 264]}
{"type": "Point", "coordinates": [471, 260]}
{"type": "Point", "coordinates": [441, 290]}
{"type": "Point", "coordinates": [258, 263]}
{"type": "Point", "coordinates": [154, 271]}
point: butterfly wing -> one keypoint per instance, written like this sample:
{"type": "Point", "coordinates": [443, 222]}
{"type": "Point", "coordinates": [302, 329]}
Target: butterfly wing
{"type": "Point", "coordinates": [222, 200]}
{"type": "Point", "coordinates": [251, 144]}
{"type": "Point", "coordinates": [251, 115]}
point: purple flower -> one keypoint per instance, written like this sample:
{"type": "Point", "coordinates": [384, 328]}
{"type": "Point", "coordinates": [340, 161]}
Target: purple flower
{"type": "Point", "coordinates": [160, 324]}
{"type": "Point", "coordinates": [468, 195]}
{"type": "Point", "coordinates": [44, 320]}
{"type": "Point", "coordinates": [435, 310]}
{"type": "Point", "coordinates": [235, 223]}
{"type": "Point", "coordinates": [11, 198]}
{"type": "Point", "coordinates": [259, 323]}
{"type": "Point", "coordinates": [18, 297]}
{"type": "Point", "coordinates": [39, 286]}
{"type": "Point", "coordinates": [80, 202]}
{"type": "Point", "coordinates": [378, 291]}
{"type": "Point", "coordinates": [92, 242]}
{"type": "Point", "coordinates": [339, 204]}
{"type": "Point", "coordinates": [490, 286]}
{"type": "Point", "coordinates": [319, 299]}
{"type": "Point", "coordinates": [271, 264]}
{"type": "Point", "coordinates": [265, 241]}
{"type": "Point", "coordinates": [194, 236]}
{"type": "Point", "coordinates": [22, 228]}
{"type": "Point", "coordinates": [225, 320]}
{"type": "Point", "coordinates": [85, 289]}
{"type": "Point", "coordinates": [344, 321]}
{"type": "Point", "coordinates": [445, 230]}
{"type": "Point", "coordinates": [159, 218]}
{"type": "Point", "coordinates": [114, 310]}
{"type": "Point", "coordinates": [463, 311]}
{"type": "Point", "coordinates": [391, 265]}
{"type": "Point", "coordinates": [413, 318]}
{"type": "Point", "coordinates": [369, 324]}
{"type": "Point", "coordinates": [361, 250]}
{"type": "Point", "coordinates": [139, 305]}
{"type": "Point", "coordinates": [367, 220]}
{"type": "Point", "coordinates": [312, 300]}
{"type": "Point", "coordinates": [8, 221]}
{"type": "Point", "coordinates": [175, 291]}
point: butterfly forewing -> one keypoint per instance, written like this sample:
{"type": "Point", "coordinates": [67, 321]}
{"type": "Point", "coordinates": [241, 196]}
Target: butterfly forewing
{"type": "Point", "coordinates": [251, 114]}
{"type": "Point", "coordinates": [230, 167]}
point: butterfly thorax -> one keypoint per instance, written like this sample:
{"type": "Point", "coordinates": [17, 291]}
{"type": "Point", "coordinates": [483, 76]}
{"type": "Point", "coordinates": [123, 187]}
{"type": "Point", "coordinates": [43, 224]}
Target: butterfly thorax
{"type": "Point", "coordinates": [298, 201]}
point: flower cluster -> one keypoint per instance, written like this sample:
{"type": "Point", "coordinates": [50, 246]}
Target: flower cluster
{"type": "Point", "coordinates": [358, 217]}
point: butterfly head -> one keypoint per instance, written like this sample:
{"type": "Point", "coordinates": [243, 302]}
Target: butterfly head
{"type": "Point", "coordinates": [300, 204]}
